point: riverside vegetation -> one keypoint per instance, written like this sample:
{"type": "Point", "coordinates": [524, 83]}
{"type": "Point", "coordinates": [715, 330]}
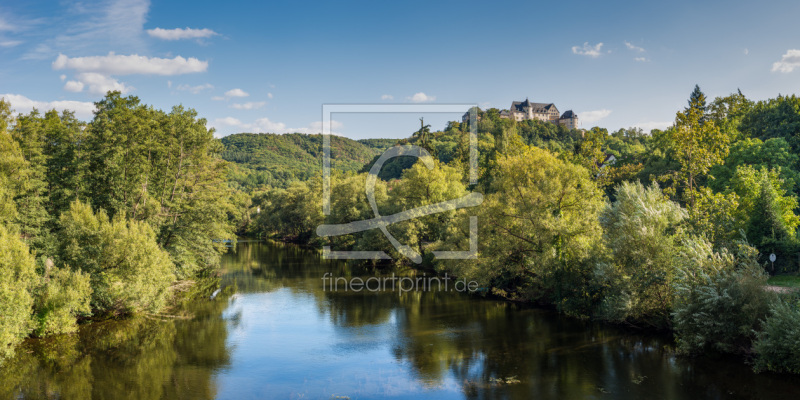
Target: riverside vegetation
{"type": "Point", "coordinates": [112, 217]}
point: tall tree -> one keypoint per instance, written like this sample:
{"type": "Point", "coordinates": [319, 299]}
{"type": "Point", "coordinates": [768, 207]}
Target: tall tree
{"type": "Point", "coordinates": [698, 144]}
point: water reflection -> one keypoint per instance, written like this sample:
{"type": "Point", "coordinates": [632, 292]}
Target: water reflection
{"type": "Point", "coordinates": [281, 335]}
{"type": "Point", "coordinates": [139, 358]}
{"type": "Point", "coordinates": [446, 345]}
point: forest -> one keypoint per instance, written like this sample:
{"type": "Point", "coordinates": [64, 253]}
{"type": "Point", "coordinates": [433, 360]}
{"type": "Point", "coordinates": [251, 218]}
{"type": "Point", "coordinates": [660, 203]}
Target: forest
{"type": "Point", "coordinates": [127, 213]}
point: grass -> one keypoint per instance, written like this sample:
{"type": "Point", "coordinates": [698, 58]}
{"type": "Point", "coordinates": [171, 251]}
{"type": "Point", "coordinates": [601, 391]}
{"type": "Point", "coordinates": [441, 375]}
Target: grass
{"type": "Point", "coordinates": [791, 281]}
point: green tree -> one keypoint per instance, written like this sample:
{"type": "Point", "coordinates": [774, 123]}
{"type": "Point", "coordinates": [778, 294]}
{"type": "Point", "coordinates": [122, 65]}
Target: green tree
{"type": "Point", "coordinates": [643, 233]}
{"type": "Point", "coordinates": [17, 280]}
{"type": "Point", "coordinates": [698, 145]}
{"type": "Point", "coordinates": [539, 227]}
{"type": "Point", "coordinates": [129, 272]}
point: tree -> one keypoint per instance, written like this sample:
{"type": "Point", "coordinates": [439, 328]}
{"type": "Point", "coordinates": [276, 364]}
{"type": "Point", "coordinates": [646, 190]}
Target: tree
{"type": "Point", "coordinates": [642, 231]}
{"type": "Point", "coordinates": [698, 145]}
{"type": "Point", "coordinates": [538, 228]}
{"type": "Point", "coordinates": [17, 280]}
{"type": "Point", "coordinates": [129, 272]}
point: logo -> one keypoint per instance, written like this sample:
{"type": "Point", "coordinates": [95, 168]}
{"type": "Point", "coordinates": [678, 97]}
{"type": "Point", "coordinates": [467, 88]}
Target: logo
{"type": "Point", "coordinates": [380, 221]}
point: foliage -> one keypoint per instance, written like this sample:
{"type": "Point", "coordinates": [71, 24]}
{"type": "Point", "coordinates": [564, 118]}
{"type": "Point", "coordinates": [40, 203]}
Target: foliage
{"type": "Point", "coordinates": [778, 344]}
{"type": "Point", "coordinates": [62, 296]}
{"type": "Point", "coordinates": [698, 144]}
{"type": "Point", "coordinates": [643, 233]}
{"type": "Point", "coordinates": [277, 160]}
{"type": "Point", "coordinates": [540, 226]}
{"type": "Point", "coordinates": [17, 279]}
{"type": "Point", "coordinates": [129, 272]}
{"type": "Point", "coordinates": [719, 298]}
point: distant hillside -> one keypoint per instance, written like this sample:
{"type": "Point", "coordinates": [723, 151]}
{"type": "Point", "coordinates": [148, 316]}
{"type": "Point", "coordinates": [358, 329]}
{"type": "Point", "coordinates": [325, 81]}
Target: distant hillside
{"type": "Point", "coordinates": [276, 160]}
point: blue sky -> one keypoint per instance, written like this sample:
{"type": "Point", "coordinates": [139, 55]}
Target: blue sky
{"type": "Point", "coordinates": [269, 67]}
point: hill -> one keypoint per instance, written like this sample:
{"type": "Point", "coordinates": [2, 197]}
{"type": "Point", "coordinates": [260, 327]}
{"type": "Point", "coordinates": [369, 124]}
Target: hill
{"type": "Point", "coordinates": [275, 160]}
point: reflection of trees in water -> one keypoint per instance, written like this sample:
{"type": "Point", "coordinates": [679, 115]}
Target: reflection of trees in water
{"type": "Point", "coordinates": [138, 358]}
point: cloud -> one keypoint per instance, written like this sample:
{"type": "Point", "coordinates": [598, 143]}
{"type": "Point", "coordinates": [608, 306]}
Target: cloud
{"type": "Point", "coordinates": [179, 33]}
{"type": "Point", "coordinates": [265, 125]}
{"type": "Point", "coordinates": [248, 106]}
{"type": "Point", "coordinates": [642, 59]}
{"type": "Point", "coordinates": [10, 43]}
{"type": "Point", "coordinates": [588, 50]}
{"type": "Point", "coordinates": [269, 95]}
{"type": "Point", "coordinates": [788, 62]}
{"type": "Point", "coordinates": [236, 93]}
{"type": "Point", "coordinates": [83, 109]}
{"type": "Point", "coordinates": [73, 86]}
{"type": "Point", "coordinates": [387, 97]}
{"type": "Point", "coordinates": [195, 89]}
{"type": "Point", "coordinates": [593, 116]}
{"type": "Point", "coordinates": [218, 98]}
{"type": "Point", "coordinates": [261, 125]}
{"type": "Point", "coordinates": [85, 28]}
{"type": "Point", "coordinates": [421, 97]}
{"type": "Point", "coordinates": [746, 51]}
{"type": "Point", "coordinates": [649, 126]}
{"type": "Point", "coordinates": [633, 47]}
{"type": "Point", "coordinates": [113, 64]}
{"type": "Point", "coordinates": [98, 84]}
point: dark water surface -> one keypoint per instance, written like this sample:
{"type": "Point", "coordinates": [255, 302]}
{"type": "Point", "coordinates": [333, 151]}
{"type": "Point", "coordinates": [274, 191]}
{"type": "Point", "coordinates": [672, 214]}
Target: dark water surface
{"type": "Point", "coordinates": [281, 335]}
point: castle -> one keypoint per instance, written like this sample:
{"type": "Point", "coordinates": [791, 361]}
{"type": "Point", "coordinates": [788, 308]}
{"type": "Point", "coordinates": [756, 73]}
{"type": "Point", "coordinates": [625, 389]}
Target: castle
{"type": "Point", "coordinates": [525, 110]}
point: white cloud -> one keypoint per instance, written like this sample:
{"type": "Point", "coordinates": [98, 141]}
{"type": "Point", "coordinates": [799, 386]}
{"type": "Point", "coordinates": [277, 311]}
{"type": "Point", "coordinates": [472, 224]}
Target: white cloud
{"type": "Point", "coordinates": [642, 59]}
{"type": "Point", "coordinates": [62, 77]}
{"type": "Point", "coordinates": [421, 97]}
{"type": "Point", "coordinates": [387, 97]}
{"type": "Point", "coordinates": [588, 50]}
{"type": "Point", "coordinates": [746, 51]}
{"type": "Point", "coordinates": [788, 62]}
{"type": "Point", "coordinates": [633, 47]}
{"type": "Point", "coordinates": [236, 93]}
{"type": "Point", "coordinates": [113, 64]}
{"type": "Point", "coordinates": [248, 106]}
{"type": "Point", "coordinates": [593, 116]}
{"type": "Point", "coordinates": [195, 89]}
{"type": "Point", "coordinates": [83, 109]}
{"type": "Point", "coordinates": [179, 33]}
{"type": "Point", "coordinates": [73, 86]}
{"type": "Point", "coordinates": [269, 95]}
{"type": "Point", "coordinates": [218, 98]}
{"type": "Point", "coordinates": [648, 126]}
{"type": "Point", "coordinates": [97, 84]}
{"type": "Point", "coordinates": [10, 43]}
{"type": "Point", "coordinates": [265, 125]}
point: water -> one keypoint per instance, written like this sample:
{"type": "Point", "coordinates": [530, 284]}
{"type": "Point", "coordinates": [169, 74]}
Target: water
{"type": "Point", "coordinates": [282, 336]}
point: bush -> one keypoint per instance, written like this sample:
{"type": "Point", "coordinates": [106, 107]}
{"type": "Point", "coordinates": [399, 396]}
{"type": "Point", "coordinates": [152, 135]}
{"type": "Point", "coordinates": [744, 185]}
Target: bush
{"type": "Point", "coordinates": [778, 344]}
{"type": "Point", "coordinates": [63, 296]}
{"type": "Point", "coordinates": [642, 233]}
{"type": "Point", "coordinates": [719, 298]}
{"type": "Point", "coordinates": [129, 272]}
{"type": "Point", "coordinates": [17, 278]}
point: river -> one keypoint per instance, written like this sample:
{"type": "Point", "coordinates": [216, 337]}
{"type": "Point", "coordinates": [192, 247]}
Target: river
{"type": "Point", "coordinates": [277, 332]}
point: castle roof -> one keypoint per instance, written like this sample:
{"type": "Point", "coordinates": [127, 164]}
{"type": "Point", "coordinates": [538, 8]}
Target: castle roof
{"type": "Point", "coordinates": [523, 106]}
{"type": "Point", "coordinates": [569, 114]}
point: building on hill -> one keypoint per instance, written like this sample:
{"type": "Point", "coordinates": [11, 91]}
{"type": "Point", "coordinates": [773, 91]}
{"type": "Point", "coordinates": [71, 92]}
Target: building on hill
{"type": "Point", "coordinates": [569, 119]}
{"type": "Point", "coordinates": [548, 112]}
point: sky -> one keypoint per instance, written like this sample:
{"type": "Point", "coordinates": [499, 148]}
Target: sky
{"type": "Point", "coordinates": [270, 66]}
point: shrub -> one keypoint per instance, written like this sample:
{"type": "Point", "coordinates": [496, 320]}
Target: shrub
{"type": "Point", "coordinates": [778, 344]}
{"type": "Point", "coordinates": [63, 296]}
{"type": "Point", "coordinates": [641, 230]}
{"type": "Point", "coordinates": [129, 272]}
{"type": "Point", "coordinates": [719, 298]}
